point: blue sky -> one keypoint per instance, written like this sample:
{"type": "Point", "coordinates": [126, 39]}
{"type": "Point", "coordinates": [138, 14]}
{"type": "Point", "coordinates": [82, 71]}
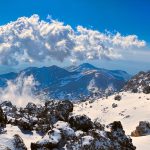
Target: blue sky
{"type": "Point", "coordinates": [125, 16]}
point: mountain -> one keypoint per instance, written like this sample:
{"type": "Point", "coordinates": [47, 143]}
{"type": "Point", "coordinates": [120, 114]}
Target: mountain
{"type": "Point", "coordinates": [74, 82]}
{"type": "Point", "coordinates": [139, 83]}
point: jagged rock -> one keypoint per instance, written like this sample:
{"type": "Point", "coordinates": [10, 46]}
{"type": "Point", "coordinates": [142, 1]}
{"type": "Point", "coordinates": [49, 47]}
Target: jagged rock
{"type": "Point", "coordinates": [49, 141]}
{"type": "Point", "coordinates": [98, 125]}
{"type": "Point", "coordinates": [63, 136]}
{"type": "Point", "coordinates": [142, 129]}
{"type": "Point", "coordinates": [24, 124]}
{"type": "Point", "coordinates": [134, 90]}
{"type": "Point", "coordinates": [9, 110]}
{"type": "Point", "coordinates": [6, 103]}
{"type": "Point", "coordinates": [81, 122]}
{"type": "Point", "coordinates": [3, 119]}
{"type": "Point", "coordinates": [139, 83]}
{"type": "Point", "coordinates": [55, 137]}
{"type": "Point", "coordinates": [31, 108]}
{"type": "Point", "coordinates": [146, 89]}
{"type": "Point", "coordinates": [117, 97]}
{"type": "Point", "coordinates": [116, 125]}
{"type": "Point", "coordinates": [58, 110]}
{"type": "Point", "coordinates": [102, 140]}
{"type": "Point", "coordinates": [18, 143]}
{"type": "Point", "coordinates": [65, 129]}
{"type": "Point", "coordinates": [117, 135]}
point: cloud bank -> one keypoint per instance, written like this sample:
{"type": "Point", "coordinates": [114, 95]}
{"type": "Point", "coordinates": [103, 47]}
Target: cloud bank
{"type": "Point", "coordinates": [34, 40]}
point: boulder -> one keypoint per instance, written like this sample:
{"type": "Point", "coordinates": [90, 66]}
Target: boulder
{"type": "Point", "coordinates": [18, 143]}
{"type": "Point", "coordinates": [81, 122]}
{"type": "Point", "coordinates": [114, 105]}
{"type": "Point", "coordinates": [146, 89]}
{"type": "Point", "coordinates": [142, 129]}
{"type": "Point", "coordinates": [117, 97]}
{"type": "Point", "coordinates": [49, 141]}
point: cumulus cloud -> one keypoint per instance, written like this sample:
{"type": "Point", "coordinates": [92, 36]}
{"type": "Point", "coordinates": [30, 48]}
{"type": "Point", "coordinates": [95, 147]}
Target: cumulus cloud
{"type": "Point", "coordinates": [34, 40]}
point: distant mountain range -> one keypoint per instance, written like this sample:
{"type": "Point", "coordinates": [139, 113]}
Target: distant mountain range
{"type": "Point", "coordinates": [74, 82]}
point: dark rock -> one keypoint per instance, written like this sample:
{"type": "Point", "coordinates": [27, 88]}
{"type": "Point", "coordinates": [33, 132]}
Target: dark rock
{"type": "Point", "coordinates": [117, 97]}
{"type": "Point", "coordinates": [81, 122]}
{"type": "Point", "coordinates": [146, 89]}
{"type": "Point", "coordinates": [49, 141]}
{"type": "Point", "coordinates": [24, 124]}
{"type": "Point", "coordinates": [6, 103]}
{"type": "Point", "coordinates": [18, 143]}
{"type": "Point", "coordinates": [115, 126]}
{"type": "Point", "coordinates": [58, 110]}
{"type": "Point", "coordinates": [31, 108]}
{"type": "Point", "coordinates": [3, 118]}
{"type": "Point", "coordinates": [142, 129]}
{"type": "Point", "coordinates": [114, 105]}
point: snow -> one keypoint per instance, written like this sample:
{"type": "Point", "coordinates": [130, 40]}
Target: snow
{"type": "Point", "coordinates": [54, 137]}
{"type": "Point", "coordinates": [87, 140]}
{"type": "Point", "coordinates": [142, 143]}
{"type": "Point", "coordinates": [6, 139]}
{"type": "Point", "coordinates": [65, 127]}
{"type": "Point", "coordinates": [132, 108]}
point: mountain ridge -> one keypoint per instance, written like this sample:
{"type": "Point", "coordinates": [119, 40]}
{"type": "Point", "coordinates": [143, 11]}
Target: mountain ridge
{"type": "Point", "coordinates": [78, 82]}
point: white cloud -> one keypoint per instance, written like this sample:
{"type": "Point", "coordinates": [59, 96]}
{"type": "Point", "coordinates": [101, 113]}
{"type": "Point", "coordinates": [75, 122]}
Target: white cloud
{"type": "Point", "coordinates": [34, 40]}
{"type": "Point", "coordinates": [20, 92]}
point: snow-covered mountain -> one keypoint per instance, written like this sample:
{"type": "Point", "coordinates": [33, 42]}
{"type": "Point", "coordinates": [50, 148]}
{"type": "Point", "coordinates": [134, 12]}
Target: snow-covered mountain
{"type": "Point", "coordinates": [74, 82]}
{"type": "Point", "coordinates": [120, 121]}
{"type": "Point", "coordinates": [139, 83]}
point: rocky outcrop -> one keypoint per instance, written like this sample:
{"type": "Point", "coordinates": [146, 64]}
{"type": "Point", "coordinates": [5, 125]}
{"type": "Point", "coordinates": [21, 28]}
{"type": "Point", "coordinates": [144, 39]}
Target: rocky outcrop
{"type": "Point", "coordinates": [139, 83]}
{"type": "Point", "coordinates": [61, 129]}
{"type": "Point", "coordinates": [37, 117]}
{"type": "Point", "coordinates": [142, 129]}
{"type": "Point", "coordinates": [63, 136]}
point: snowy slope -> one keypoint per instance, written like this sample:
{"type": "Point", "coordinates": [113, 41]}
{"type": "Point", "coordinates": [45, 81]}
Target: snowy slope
{"type": "Point", "coordinates": [6, 140]}
{"type": "Point", "coordinates": [132, 108]}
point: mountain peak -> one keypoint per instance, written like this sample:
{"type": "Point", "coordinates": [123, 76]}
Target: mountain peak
{"type": "Point", "coordinates": [87, 65]}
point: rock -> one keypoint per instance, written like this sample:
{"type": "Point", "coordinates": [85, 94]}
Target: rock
{"type": "Point", "coordinates": [114, 105]}
{"type": "Point", "coordinates": [146, 89]}
{"type": "Point", "coordinates": [142, 129]}
{"type": "Point", "coordinates": [49, 141]}
{"type": "Point", "coordinates": [134, 90]}
{"type": "Point", "coordinates": [116, 125]}
{"type": "Point", "coordinates": [117, 97]}
{"type": "Point", "coordinates": [98, 125]}
{"type": "Point", "coordinates": [18, 143]}
{"type": "Point", "coordinates": [24, 124]}
{"type": "Point", "coordinates": [117, 135]}
{"type": "Point", "coordinates": [31, 108]}
{"type": "Point", "coordinates": [58, 110]}
{"type": "Point", "coordinates": [81, 122]}
{"type": "Point", "coordinates": [6, 103]}
{"type": "Point", "coordinates": [139, 83]}
{"type": "Point", "coordinates": [3, 118]}
{"type": "Point", "coordinates": [65, 129]}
